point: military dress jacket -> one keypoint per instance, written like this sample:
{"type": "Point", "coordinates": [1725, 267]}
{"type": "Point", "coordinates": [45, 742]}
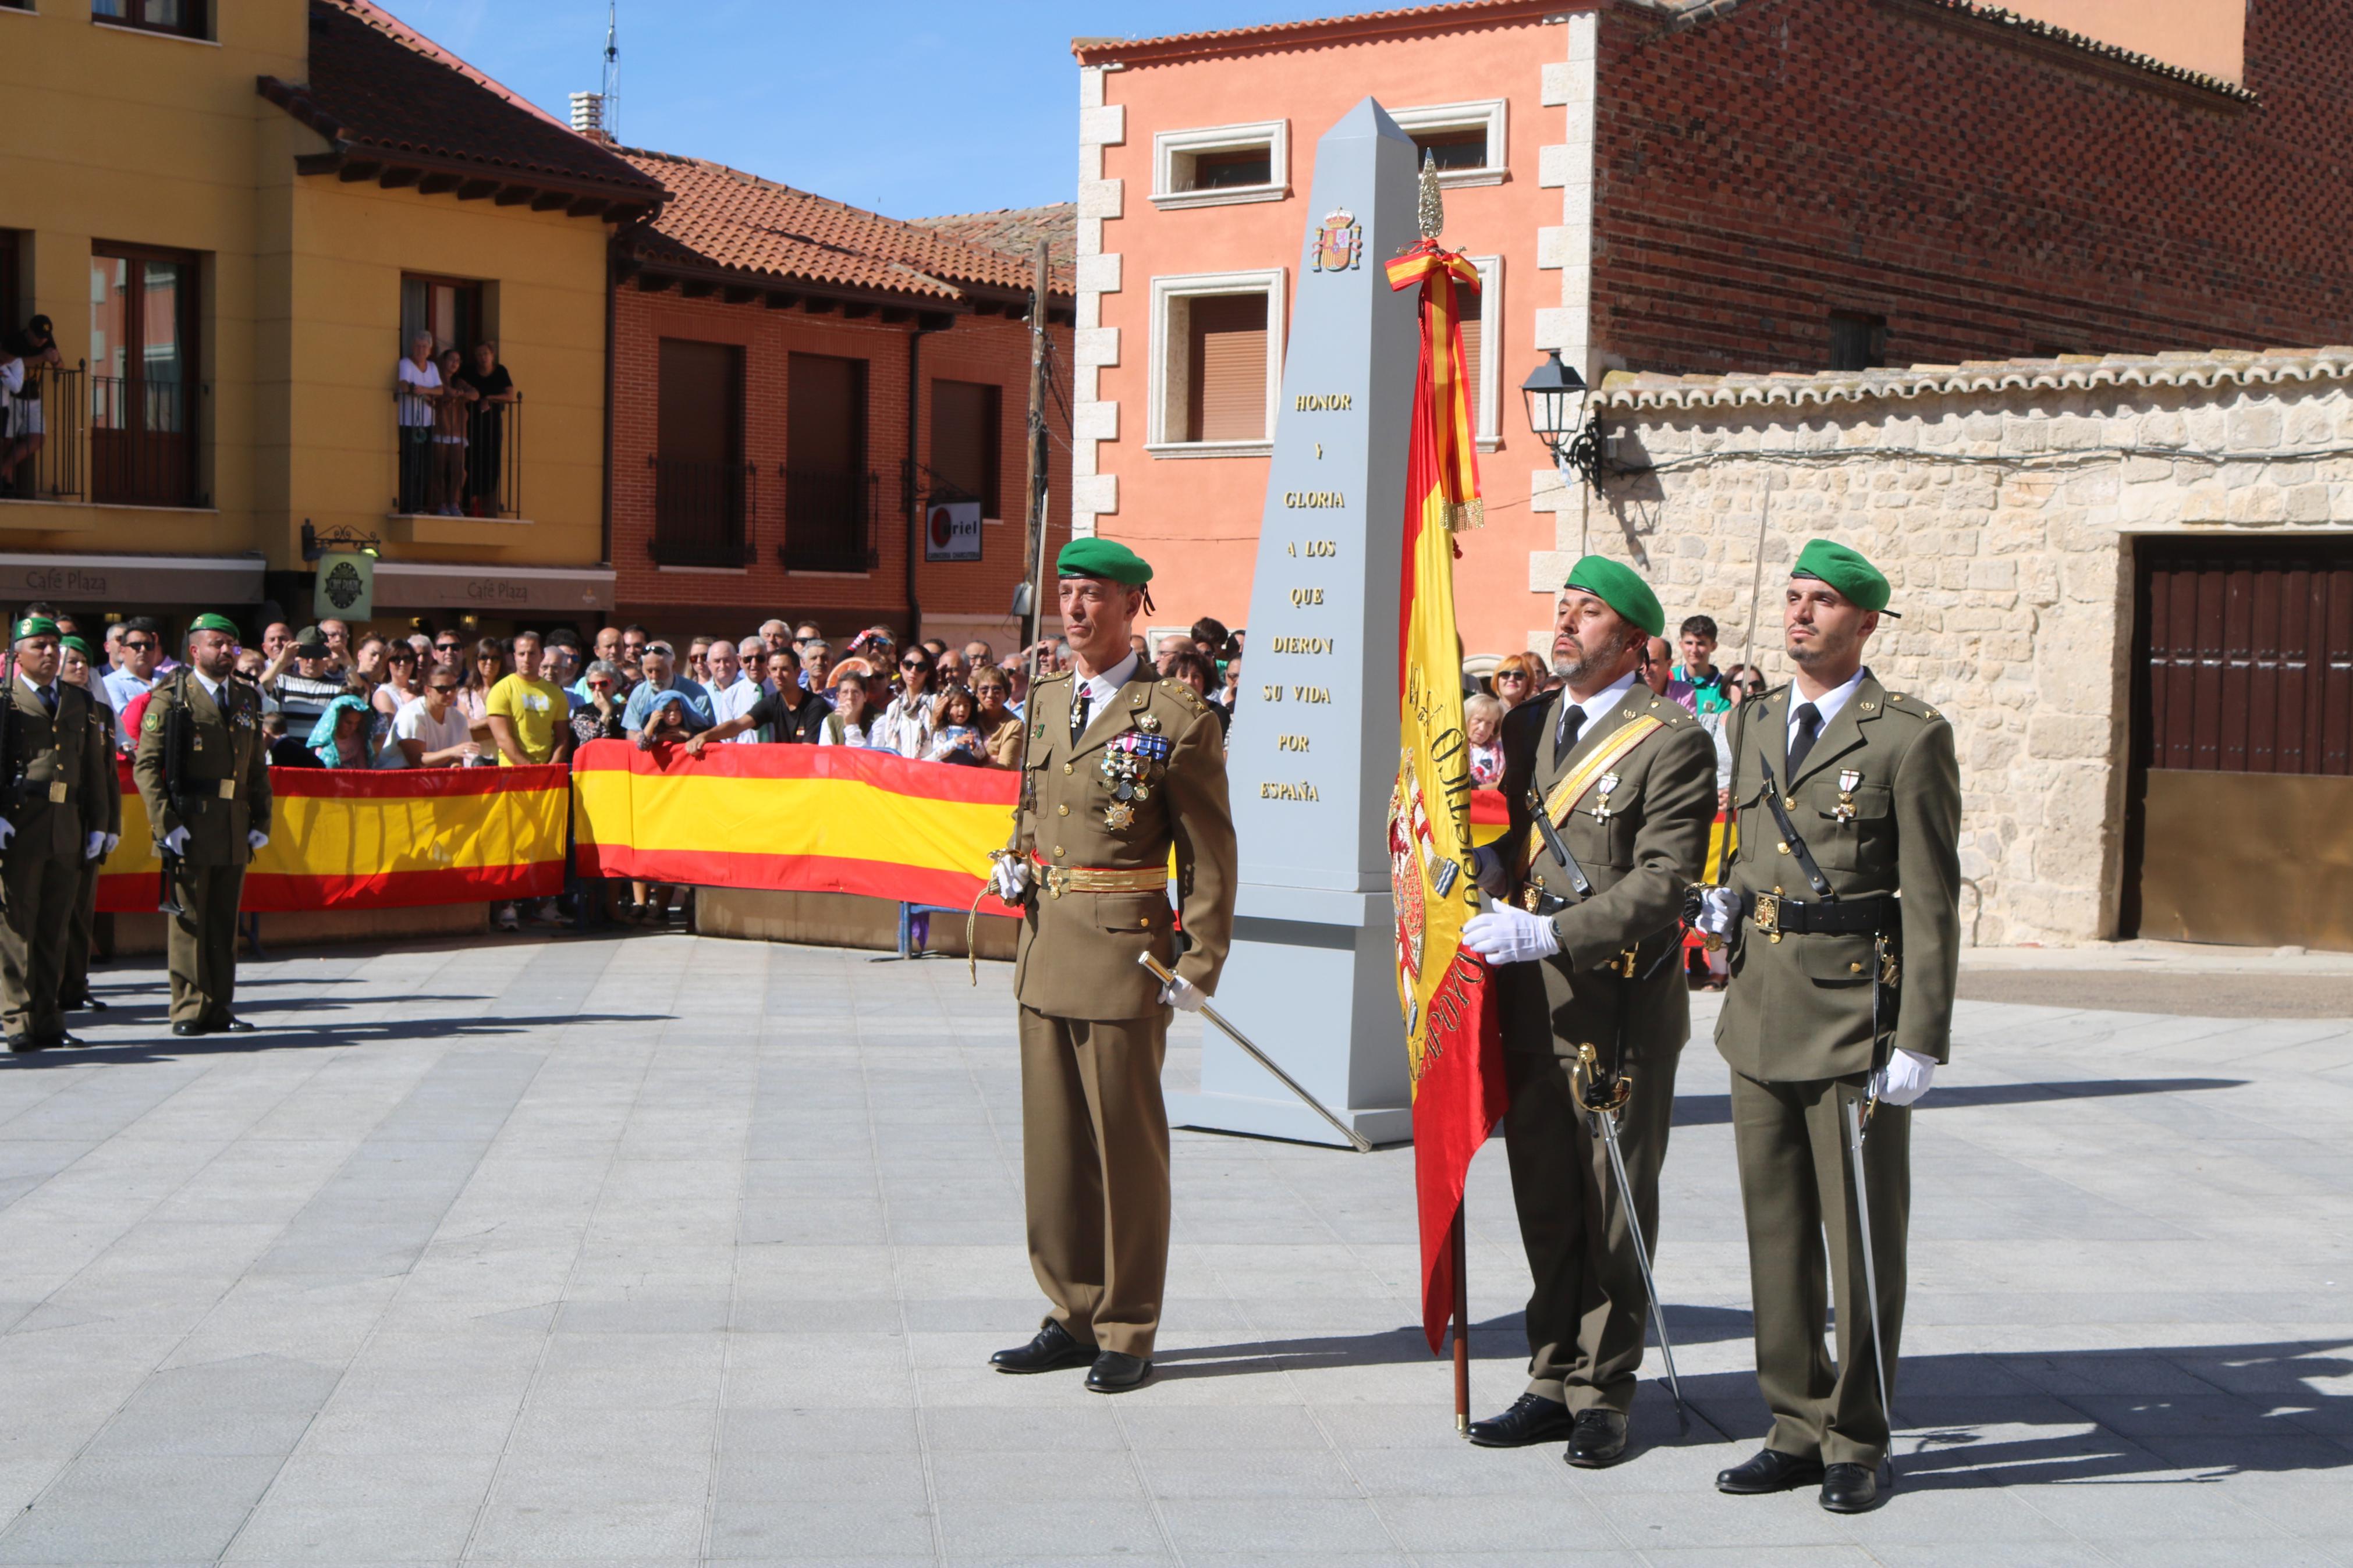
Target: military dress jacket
{"type": "Point", "coordinates": [1157, 741]}
{"type": "Point", "coordinates": [1878, 803]}
{"type": "Point", "coordinates": [59, 766]}
{"type": "Point", "coordinates": [1640, 843]}
{"type": "Point", "coordinates": [223, 774]}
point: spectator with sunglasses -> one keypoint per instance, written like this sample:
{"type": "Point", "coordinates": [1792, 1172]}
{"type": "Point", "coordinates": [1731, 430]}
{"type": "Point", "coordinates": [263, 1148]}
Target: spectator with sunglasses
{"type": "Point", "coordinates": [905, 726]}
{"type": "Point", "coordinates": [1516, 680]}
{"type": "Point", "coordinates": [143, 647]}
{"type": "Point", "coordinates": [431, 730]}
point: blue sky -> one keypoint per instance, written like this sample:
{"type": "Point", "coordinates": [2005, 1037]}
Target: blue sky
{"type": "Point", "coordinates": [982, 99]}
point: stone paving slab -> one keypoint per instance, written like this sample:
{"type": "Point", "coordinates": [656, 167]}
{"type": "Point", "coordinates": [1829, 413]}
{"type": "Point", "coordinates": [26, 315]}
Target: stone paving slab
{"type": "Point", "coordinates": [670, 1251]}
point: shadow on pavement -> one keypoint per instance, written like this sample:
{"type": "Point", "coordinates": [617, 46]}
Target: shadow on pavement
{"type": "Point", "coordinates": [1716, 1109]}
{"type": "Point", "coordinates": [300, 1036]}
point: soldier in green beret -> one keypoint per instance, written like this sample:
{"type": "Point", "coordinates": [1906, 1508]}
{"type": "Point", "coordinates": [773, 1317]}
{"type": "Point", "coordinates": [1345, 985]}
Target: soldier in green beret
{"type": "Point", "coordinates": [1120, 770]}
{"type": "Point", "coordinates": [205, 779]}
{"type": "Point", "coordinates": [73, 980]}
{"type": "Point", "coordinates": [1847, 794]}
{"type": "Point", "coordinates": [52, 819]}
{"type": "Point", "coordinates": [1611, 789]}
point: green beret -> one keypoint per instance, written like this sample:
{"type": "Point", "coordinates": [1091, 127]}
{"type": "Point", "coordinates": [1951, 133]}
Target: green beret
{"type": "Point", "coordinates": [208, 622]}
{"type": "Point", "coordinates": [1621, 588]}
{"type": "Point", "coordinates": [34, 626]}
{"type": "Point", "coordinates": [1862, 584]}
{"type": "Point", "coordinates": [80, 645]}
{"type": "Point", "coordinates": [1102, 558]}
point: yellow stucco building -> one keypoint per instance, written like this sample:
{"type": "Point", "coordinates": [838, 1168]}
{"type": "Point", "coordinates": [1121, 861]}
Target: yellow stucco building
{"type": "Point", "coordinates": [234, 216]}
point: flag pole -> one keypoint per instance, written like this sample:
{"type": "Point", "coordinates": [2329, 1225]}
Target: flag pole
{"type": "Point", "coordinates": [1462, 1326]}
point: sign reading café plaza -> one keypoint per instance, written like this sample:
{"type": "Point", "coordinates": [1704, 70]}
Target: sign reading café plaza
{"type": "Point", "coordinates": [1312, 971]}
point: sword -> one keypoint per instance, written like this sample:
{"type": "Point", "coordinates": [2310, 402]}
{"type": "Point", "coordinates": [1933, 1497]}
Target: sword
{"type": "Point", "coordinates": [1603, 1104]}
{"type": "Point", "coordinates": [1167, 976]}
{"type": "Point", "coordinates": [1856, 1115]}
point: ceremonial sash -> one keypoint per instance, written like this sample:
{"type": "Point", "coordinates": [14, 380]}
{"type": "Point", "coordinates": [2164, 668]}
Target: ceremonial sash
{"type": "Point", "coordinates": [1563, 798]}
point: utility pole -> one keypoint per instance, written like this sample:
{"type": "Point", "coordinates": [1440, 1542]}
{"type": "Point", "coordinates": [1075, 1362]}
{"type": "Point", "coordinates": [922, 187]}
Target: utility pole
{"type": "Point", "coordinates": [1031, 598]}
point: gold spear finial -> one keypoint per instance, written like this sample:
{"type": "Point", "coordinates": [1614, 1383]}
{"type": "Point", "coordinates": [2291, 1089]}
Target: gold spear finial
{"type": "Point", "coordinates": [1431, 210]}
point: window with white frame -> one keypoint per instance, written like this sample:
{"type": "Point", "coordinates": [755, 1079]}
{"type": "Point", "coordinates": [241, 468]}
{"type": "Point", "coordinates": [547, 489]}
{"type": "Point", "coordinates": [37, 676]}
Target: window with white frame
{"type": "Point", "coordinates": [1482, 348]}
{"type": "Point", "coordinates": [1466, 140]}
{"type": "Point", "coordinates": [1217, 165]}
{"type": "Point", "coordinates": [1215, 364]}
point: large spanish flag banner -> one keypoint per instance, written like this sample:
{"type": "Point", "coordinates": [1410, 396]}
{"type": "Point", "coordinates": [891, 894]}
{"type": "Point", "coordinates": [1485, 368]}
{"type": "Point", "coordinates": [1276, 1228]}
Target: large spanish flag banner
{"type": "Point", "coordinates": [809, 819]}
{"type": "Point", "coordinates": [353, 838]}
{"type": "Point", "coordinates": [1453, 1034]}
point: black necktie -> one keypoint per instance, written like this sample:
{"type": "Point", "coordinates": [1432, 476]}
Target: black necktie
{"type": "Point", "coordinates": [1810, 727]}
{"type": "Point", "coordinates": [1564, 735]}
{"type": "Point", "coordinates": [49, 700]}
{"type": "Point", "coordinates": [1079, 712]}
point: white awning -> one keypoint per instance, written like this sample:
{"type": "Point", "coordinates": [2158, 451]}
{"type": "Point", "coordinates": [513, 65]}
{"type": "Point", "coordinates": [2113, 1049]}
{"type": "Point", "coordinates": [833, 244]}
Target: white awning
{"type": "Point", "coordinates": [110, 581]}
{"type": "Point", "coordinates": [493, 590]}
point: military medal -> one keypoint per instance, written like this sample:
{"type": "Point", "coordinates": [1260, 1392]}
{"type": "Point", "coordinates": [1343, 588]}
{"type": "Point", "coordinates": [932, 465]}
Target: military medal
{"type": "Point", "coordinates": [1847, 781]}
{"type": "Point", "coordinates": [1119, 816]}
{"type": "Point", "coordinates": [1148, 721]}
{"type": "Point", "coordinates": [1130, 762]}
{"type": "Point", "coordinates": [1602, 809]}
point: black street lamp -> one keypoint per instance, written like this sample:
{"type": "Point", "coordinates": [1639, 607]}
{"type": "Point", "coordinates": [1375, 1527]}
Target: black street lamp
{"type": "Point", "coordinates": [1556, 399]}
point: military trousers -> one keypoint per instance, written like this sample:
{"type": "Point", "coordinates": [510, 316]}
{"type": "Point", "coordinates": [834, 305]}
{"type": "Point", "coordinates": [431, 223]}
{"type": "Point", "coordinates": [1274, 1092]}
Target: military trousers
{"type": "Point", "coordinates": [1094, 1165]}
{"type": "Point", "coordinates": [37, 898]}
{"type": "Point", "coordinates": [1797, 1191]}
{"type": "Point", "coordinates": [73, 975]}
{"type": "Point", "coordinates": [201, 944]}
{"type": "Point", "coordinates": [1587, 1311]}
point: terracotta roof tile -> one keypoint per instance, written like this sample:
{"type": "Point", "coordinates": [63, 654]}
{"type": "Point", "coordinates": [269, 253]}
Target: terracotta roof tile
{"type": "Point", "coordinates": [1016, 231]}
{"type": "Point", "coordinates": [724, 218]}
{"type": "Point", "coordinates": [380, 90]}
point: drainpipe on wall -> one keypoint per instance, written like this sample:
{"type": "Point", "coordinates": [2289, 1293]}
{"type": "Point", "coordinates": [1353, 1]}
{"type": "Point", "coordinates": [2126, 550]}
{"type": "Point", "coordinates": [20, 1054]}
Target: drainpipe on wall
{"type": "Point", "coordinates": [907, 470]}
{"type": "Point", "coordinates": [612, 291]}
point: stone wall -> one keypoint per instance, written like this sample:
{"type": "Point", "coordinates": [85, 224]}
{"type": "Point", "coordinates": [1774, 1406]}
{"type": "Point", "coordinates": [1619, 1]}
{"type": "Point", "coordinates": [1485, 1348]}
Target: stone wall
{"type": "Point", "coordinates": [2002, 500]}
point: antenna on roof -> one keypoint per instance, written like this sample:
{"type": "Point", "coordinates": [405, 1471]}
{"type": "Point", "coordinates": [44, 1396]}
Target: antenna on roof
{"type": "Point", "coordinates": [598, 115]}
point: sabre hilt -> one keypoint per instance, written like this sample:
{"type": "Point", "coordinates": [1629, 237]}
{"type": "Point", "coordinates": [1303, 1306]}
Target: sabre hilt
{"type": "Point", "coordinates": [1602, 1093]}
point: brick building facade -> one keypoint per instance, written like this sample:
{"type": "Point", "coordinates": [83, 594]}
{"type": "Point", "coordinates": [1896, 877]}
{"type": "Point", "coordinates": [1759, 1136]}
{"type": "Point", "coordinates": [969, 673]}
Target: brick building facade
{"type": "Point", "coordinates": [1693, 186]}
{"type": "Point", "coordinates": [797, 384]}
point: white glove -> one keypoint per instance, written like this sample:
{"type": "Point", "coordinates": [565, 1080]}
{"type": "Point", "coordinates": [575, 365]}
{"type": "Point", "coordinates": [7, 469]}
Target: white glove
{"type": "Point", "coordinates": [1719, 911]}
{"type": "Point", "coordinates": [1904, 1078]}
{"type": "Point", "coordinates": [1010, 878]}
{"type": "Point", "coordinates": [1506, 935]}
{"type": "Point", "coordinates": [7, 831]}
{"type": "Point", "coordinates": [1489, 871]}
{"type": "Point", "coordinates": [93, 847]}
{"type": "Point", "coordinates": [256, 837]}
{"type": "Point", "coordinates": [1182, 995]}
{"type": "Point", "coordinates": [111, 840]}
{"type": "Point", "coordinates": [176, 841]}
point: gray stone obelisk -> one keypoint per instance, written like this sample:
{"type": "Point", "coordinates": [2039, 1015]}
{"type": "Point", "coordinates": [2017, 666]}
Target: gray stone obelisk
{"type": "Point", "coordinates": [1311, 976]}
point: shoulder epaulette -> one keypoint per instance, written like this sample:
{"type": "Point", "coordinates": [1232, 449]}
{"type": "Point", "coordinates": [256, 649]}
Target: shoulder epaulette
{"type": "Point", "coordinates": [1667, 711]}
{"type": "Point", "coordinates": [1190, 699]}
{"type": "Point", "coordinates": [1905, 702]}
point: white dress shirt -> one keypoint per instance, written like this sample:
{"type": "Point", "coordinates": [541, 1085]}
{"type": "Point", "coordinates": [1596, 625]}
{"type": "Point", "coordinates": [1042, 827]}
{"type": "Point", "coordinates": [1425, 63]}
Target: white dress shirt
{"type": "Point", "coordinates": [1103, 688]}
{"type": "Point", "coordinates": [1594, 707]}
{"type": "Point", "coordinates": [1829, 705]}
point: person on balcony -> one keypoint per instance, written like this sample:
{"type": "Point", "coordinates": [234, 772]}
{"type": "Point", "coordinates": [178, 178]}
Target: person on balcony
{"type": "Point", "coordinates": [485, 433]}
{"type": "Point", "coordinates": [419, 381]}
{"type": "Point", "coordinates": [21, 424]}
{"type": "Point", "coordinates": [452, 416]}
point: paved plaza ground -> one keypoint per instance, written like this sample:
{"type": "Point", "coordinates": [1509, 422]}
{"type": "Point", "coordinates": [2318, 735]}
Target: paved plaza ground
{"type": "Point", "coordinates": [669, 1249]}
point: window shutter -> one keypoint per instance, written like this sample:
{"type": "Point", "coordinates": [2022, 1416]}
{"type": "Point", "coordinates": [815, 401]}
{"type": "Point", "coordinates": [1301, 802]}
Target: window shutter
{"type": "Point", "coordinates": [965, 435]}
{"type": "Point", "coordinates": [1229, 361]}
{"type": "Point", "coordinates": [1472, 332]}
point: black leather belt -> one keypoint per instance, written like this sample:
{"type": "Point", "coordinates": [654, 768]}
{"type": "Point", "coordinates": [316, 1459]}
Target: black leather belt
{"type": "Point", "coordinates": [1776, 915]}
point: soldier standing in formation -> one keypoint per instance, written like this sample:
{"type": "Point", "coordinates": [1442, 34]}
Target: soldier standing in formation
{"type": "Point", "coordinates": [1848, 795]}
{"type": "Point", "coordinates": [52, 819]}
{"type": "Point", "coordinates": [73, 980]}
{"type": "Point", "coordinates": [1626, 781]}
{"type": "Point", "coordinates": [1121, 769]}
{"type": "Point", "coordinates": [204, 780]}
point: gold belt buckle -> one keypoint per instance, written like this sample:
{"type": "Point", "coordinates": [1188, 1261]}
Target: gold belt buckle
{"type": "Point", "coordinates": [1058, 880]}
{"type": "Point", "coordinates": [228, 789]}
{"type": "Point", "coordinates": [1768, 915]}
{"type": "Point", "coordinates": [57, 792]}
{"type": "Point", "coordinates": [1626, 961]}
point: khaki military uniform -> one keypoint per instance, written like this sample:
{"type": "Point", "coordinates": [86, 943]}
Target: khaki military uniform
{"type": "Point", "coordinates": [73, 980]}
{"type": "Point", "coordinates": [223, 794]}
{"type": "Point", "coordinates": [1640, 843]}
{"type": "Point", "coordinates": [1878, 802]}
{"type": "Point", "coordinates": [55, 802]}
{"type": "Point", "coordinates": [1093, 1030]}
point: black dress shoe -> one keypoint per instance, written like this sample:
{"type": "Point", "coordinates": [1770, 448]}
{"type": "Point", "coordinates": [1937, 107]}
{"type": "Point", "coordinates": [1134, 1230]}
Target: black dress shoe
{"type": "Point", "coordinates": [1052, 1350]}
{"type": "Point", "coordinates": [1598, 1439]}
{"type": "Point", "coordinates": [186, 1029]}
{"type": "Point", "coordinates": [1850, 1489]}
{"type": "Point", "coordinates": [1116, 1372]}
{"type": "Point", "coordinates": [62, 1041]}
{"type": "Point", "coordinates": [1770, 1471]}
{"type": "Point", "coordinates": [85, 1003]}
{"type": "Point", "coordinates": [1532, 1418]}
{"type": "Point", "coordinates": [23, 1044]}
{"type": "Point", "coordinates": [232, 1026]}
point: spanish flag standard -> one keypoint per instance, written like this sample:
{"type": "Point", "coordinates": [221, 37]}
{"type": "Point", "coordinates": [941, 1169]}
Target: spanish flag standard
{"type": "Point", "coordinates": [1453, 1034]}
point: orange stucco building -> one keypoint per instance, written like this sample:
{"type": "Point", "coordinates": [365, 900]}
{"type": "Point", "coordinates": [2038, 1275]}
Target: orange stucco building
{"type": "Point", "coordinates": [1687, 186]}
